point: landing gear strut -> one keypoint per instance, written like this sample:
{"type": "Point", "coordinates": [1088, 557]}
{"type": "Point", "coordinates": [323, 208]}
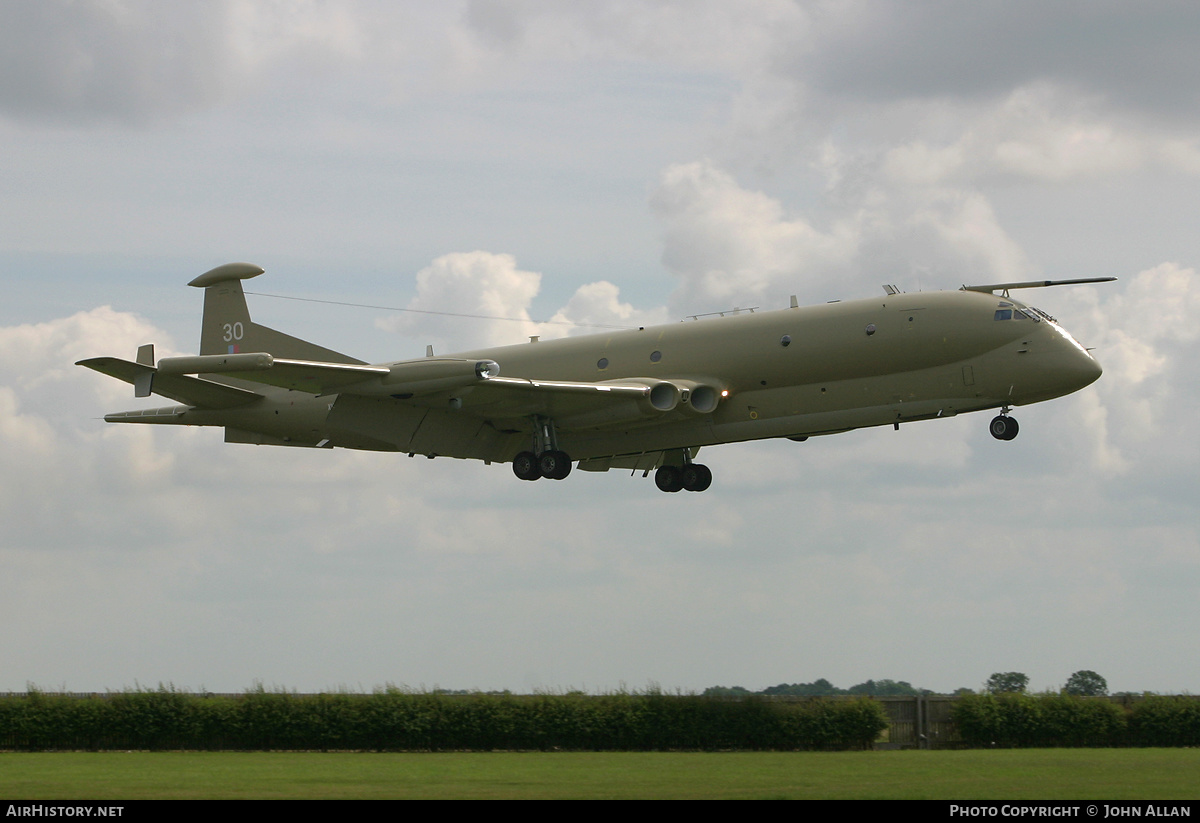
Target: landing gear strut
{"type": "Point", "coordinates": [546, 459]}
{"type": "Point", "coordinates": [1003, 427]}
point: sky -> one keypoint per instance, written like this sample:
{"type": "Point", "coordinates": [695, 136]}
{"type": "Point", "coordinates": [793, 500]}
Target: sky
{"type": "Point", "coordinates": [563, 166]}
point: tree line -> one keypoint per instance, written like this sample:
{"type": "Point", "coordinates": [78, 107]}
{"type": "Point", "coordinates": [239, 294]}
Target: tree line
{"type": "Point", "coordinates": [1083, 683]}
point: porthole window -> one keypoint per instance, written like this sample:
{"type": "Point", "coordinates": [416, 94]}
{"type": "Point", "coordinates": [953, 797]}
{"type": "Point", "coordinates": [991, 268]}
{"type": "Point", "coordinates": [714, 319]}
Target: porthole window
{"type": "Point", "coordinates": [655, 356]}
{"type": "Point", "coordinates": [785, 341]}
{"type": "Point", "coordinates": [870, 329]}
{"type": "Point", "coordinates": [602, 363]}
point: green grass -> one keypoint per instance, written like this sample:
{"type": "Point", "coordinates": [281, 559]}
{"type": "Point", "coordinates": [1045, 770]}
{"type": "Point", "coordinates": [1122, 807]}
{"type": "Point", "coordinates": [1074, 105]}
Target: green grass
{"type": "Point", "coordinates": [1125, 774]}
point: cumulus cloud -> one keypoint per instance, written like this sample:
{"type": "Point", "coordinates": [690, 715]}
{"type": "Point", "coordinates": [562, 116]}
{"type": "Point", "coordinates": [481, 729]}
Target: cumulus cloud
{"type": "Point", "coordinates": [54, 450]}
{"type": "Point", "coordinates": [1042, 133]}
{"type": "Point", "coordinates": [727, 243]}
{"type": "Point", "coordinates": [471, 299]}
{"type": "Point", "coordinates": [37, 359]}
{"type": "Point", "coordinates": [595, 306]}
{"type": "Point", "coordinates": [1143, 332]}
{"type": "Point", "coordinates": [488, 286]}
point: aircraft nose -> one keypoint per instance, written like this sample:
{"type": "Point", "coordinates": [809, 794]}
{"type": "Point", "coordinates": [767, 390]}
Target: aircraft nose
{"type": "Point", "coordinates": [1087, 369]}
{"type": "Point", "coordinates": [1076, 364]}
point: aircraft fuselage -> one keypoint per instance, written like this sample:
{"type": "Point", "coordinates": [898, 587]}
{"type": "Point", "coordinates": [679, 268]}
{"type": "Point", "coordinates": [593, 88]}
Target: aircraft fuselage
{"type": "Point", "coordinates": [651, 397]}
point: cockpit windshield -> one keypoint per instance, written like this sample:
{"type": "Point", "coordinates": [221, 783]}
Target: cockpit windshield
{"type": "Point", "coordinates": [1011, 311]}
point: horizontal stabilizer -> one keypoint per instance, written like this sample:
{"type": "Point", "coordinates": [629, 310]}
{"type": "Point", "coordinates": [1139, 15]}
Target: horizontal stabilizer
{"type": "Point", "coordinates": [177, 387]}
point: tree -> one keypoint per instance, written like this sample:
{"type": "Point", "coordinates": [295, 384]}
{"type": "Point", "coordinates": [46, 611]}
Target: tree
{"type": "Point", "coordinates": [1006, 682]}
{"type": "Point", "coordinates": [1086, 683]}
{"type": "Point", "coordinates": [884, 688]}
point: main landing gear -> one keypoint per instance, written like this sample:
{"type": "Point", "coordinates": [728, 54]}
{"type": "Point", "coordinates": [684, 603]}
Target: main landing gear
{"type": "Point", "coordinates": [693, 477]}
{"type": "Point", "coordinates": [1004, 427]}
{"type": "Point", "coordinates": [682, 474]}
{"type": "Point", "coordinates": [552, 464]}
{"type": "Point", "coordinates": [546, 459]}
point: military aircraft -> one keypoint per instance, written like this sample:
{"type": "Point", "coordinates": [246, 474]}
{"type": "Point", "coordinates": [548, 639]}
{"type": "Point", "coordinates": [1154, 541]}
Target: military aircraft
{"type": "Point", "coordinates": [641, 399]}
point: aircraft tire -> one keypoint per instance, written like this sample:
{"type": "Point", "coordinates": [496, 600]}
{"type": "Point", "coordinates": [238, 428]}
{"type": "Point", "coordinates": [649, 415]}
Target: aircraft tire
{"type": "Point", "coordinates": [1003, 428]}
{"type": "Point", "coordinates": [669, 479]}
{"type": "Point", "coordinates": [525, 466]}
{"type": "Point", "coordinates": [696, 477]}
{"type": "Point", "coordinates": [564, 466]}
{"type": "Point", "coordinates": [554, 464]}
{"type": "Point", "coordinates": [1013, 428]}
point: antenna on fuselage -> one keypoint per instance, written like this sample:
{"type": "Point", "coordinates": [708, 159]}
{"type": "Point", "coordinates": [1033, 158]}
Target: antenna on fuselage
{"type": "Point", "coordinates": [1034, 284]}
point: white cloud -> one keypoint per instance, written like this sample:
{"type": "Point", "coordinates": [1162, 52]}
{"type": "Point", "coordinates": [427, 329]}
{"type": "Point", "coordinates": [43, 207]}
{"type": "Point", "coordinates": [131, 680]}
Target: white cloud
{"type": "Point", "coordinates": [492, 298]}
{"type": "Point", "coordinates": [967, 234]}
{"type": "Point", "coordinates": [1041, 132]}
{"type": "Point", "coordinates": [597, 305]}
{"type": "Point", "coordinates": [1143, 330]}
{"type": "Point", "coordinates": [38, 360]}
{"type": "Point", "coordinates": [487, 286]}
{"type": "Point", "coordinates": [726, 243]}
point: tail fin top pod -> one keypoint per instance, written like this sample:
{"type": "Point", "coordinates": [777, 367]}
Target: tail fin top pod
{"type": "Point", "coordinates": [228, 329]}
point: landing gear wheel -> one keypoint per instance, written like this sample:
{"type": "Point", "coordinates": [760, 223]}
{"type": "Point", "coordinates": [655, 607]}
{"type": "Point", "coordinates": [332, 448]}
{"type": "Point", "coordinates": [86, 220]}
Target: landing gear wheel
{"type": "Point", "coordinates": [525, 466]}
{"type": "Point", "coordinates": [669, 478]}
{"type": "Point", "coordinates": [695, 477]}
{"type": "Point", "coordinates": [1003, 428]}
{"type": "Point", "coordinates": [554, 464]}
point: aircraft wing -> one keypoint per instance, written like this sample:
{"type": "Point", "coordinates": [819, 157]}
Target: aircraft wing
{"type": "Point", "coordinates": [580, 406]}
{"type": "Point", "coordinates": [470, 386]}
{"type": "Point", "coordinates": [310, 376]}
{"type": "Point", "coordinates": [180, 388]}
{"type": "Point", "coordinates": [570, 403]}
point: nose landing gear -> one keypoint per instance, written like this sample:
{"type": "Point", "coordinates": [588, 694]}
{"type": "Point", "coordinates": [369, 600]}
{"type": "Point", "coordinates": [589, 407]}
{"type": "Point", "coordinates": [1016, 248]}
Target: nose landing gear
{"type": "Point", "coordinates": [1003, 427]}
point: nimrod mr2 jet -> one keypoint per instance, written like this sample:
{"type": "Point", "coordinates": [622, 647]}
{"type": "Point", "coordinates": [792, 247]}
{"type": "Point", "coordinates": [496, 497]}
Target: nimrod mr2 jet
{"type": "Point", "coordinates": [644, 399]}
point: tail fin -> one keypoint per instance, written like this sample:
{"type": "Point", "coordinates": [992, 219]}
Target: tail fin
{"type": "Point", "coordinates": [228, 329]}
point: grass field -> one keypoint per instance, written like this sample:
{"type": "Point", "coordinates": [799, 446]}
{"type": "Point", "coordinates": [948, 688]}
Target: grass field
{"type": "Point", "coordinates": [1082, 774]}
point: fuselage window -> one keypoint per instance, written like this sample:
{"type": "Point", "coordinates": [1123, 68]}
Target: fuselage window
{"type": "Point", "coordinates": [655, 356]}
{"type": "Point", "coordinates": [602, 363]}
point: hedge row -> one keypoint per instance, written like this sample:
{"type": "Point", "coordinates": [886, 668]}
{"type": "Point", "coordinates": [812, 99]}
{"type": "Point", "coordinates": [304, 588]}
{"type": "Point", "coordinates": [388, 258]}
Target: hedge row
{"type": "Point", "coordinates": [406, 721]}
{"type": "Point", "coordinates": [1065, 720]}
